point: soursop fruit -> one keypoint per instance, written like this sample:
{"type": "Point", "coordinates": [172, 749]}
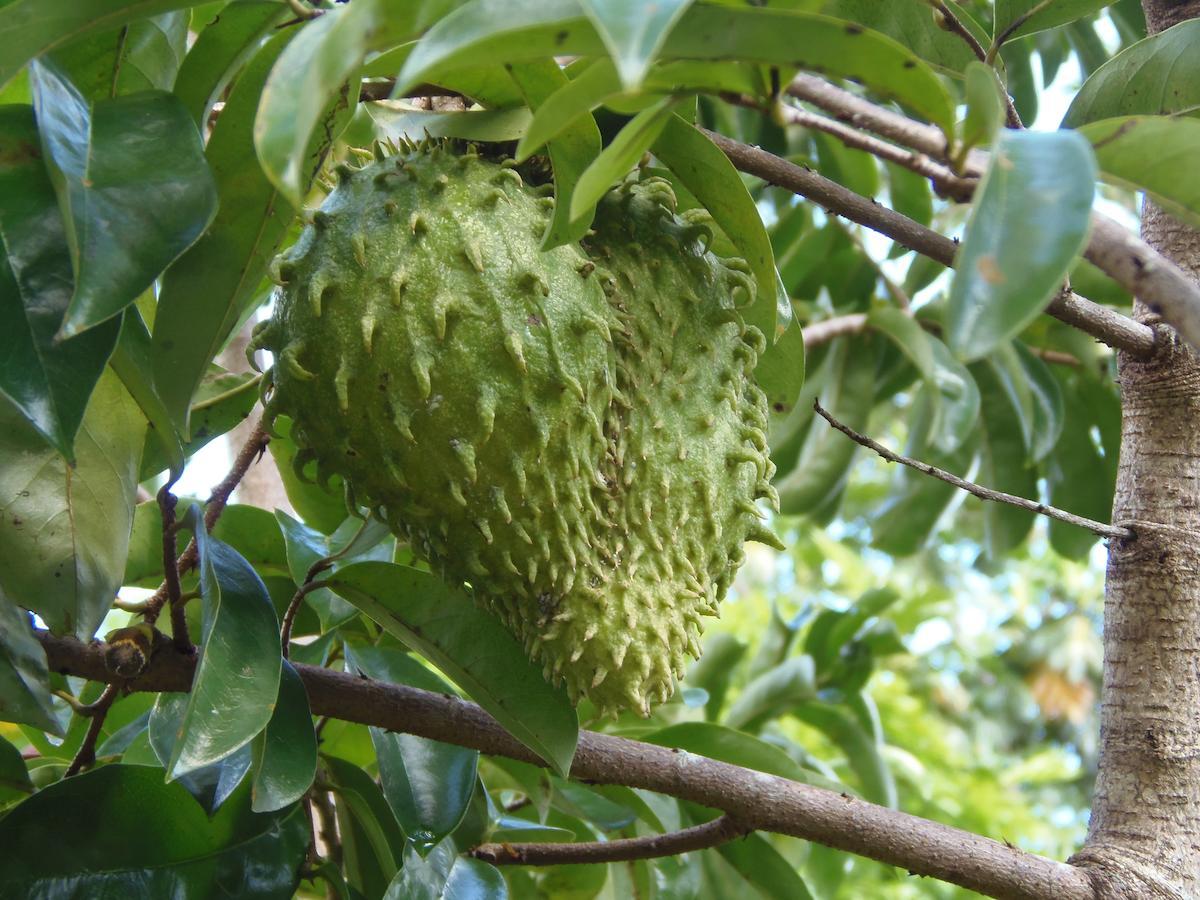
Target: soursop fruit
{"type": "Point", "coordinates": [575, 433]}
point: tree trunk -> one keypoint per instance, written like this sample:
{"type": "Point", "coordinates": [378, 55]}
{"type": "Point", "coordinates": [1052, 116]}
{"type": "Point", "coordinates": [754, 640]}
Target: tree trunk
{"type": "Point", "coordinates": [1144, 836]}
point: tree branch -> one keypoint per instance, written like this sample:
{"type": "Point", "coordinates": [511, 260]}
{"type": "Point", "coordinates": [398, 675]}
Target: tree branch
{"type": "Point", "coordinates": [1109, 531]}
{"type": "Point", "coordinates": [952, 23]}
{"type": "Point", "coordinates": [97, 712]}
{"type": "Point", "coordinates": [827, 329]}
{"type": "Point", "coordinates": [1120, 254]}
{"type": "Point", "coordinates": [757, 800]}
{"type": "Point", "coordinates": [1101, 322]}
{"type": "Point", "coordinates": [698, 837]}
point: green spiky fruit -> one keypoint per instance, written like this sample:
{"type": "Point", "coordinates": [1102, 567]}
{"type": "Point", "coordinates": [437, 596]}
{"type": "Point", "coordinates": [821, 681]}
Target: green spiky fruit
{"type": "Point", "coordinates": [575, 433]}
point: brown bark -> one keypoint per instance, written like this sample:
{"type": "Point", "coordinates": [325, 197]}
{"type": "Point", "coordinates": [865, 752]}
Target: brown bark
{"type": "Point", "coordinates": [1144, 835]}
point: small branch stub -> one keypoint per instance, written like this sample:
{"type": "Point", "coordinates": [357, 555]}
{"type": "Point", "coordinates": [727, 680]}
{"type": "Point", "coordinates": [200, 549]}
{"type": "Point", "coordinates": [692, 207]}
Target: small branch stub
{"type": "Point", "coordinates": [1108, 531]}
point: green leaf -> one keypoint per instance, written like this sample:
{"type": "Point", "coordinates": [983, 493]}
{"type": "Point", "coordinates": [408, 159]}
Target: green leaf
{"type": "Point", "coordinates": [48, 380]}
{"type": "Point", "coordinates": [714, 670]}
{"type": "Point", "coordinates": [985, 106]}
{"type": "Point", "coordinates": [765, 868]}
{"type": "Point", "coordinates": [773, 693]}
{"type": "Point", "coordinates": [910, 195]}
{"type": "Point", "coordinates": [225, 44]}
{"type": "Point", "coordinates": [572, 149]}
{"type": "Point", "coordinates": [1005, 463]}
{"type": "Point", "coordinates": [428, 784]}
{"type": "Point", "coordinates": [1156, 76]}
{"type": "Point", "coordinates": [65, 530]}
{"type": "Point", "coordinates": [372, 841]}
{"type": "Point", "coordinates": [33, 27]}
{"type": "Point", "coordinates": [712, 179]}
{"type": "Point", "coordinates": [222, 402]}
{"type": "Point", "coordinates": [490, 31]}
{"type": "Point", "coordinates": [861, 749]}
{"type": "Point", "coordinates": [143, 55]}
{"type": "Point", "coordinates": [475, 651]}
{"type": "Point", "coordinates": [155, 842]}
{"type": "Point", "coordinates": [565, 105]}
{"type": "Point", "coordinates": [1017, 18]}
{"type": "Point", "coordinates": [24, 678]}
{"type": "Point", "coordinates": [845, 626]}
{"type": "Point", "coordinates": [633, 32]}
{"type": "Point", "coordinates": [909, 22]}
{"type": "Point", "coordinates": [321, 506]}
{"type": "Point", "coordinates": [444, 875]}
{"type": "Point", "coordinates": [14, 777]}
{"type": "Point", "coordinates": [131, 362]}
{"type": "Point", "coordinates": [728, 745]}
{"type": "Point", "coordinates": [1035, 396]}
{"type": "Point", "coordinates": [615, 160]}
{"type": "Point", "coordinates": [208, 291]}
{"type": "Point", "coordinates": [957, 400]}
{"type": "Point", "coordinates": [131, 173]}
{"type": "Point", "coordinates": [1154, 154]}
{"type": "Point", "coordinates": [285, 752]}
{"type": "Point", "coordinates": [1029, 222]}
{"type": "Point", "coordinates": [486, 125]}
{"type": "Point", "coordinates": [824, 456]}
{"type": "Point", "coordinates": [1079, 478]}
{"type": "Point", "coordinates": [780, 372]}
{"type": "Point", "coordinates": [237, 675]}
{"type": "Point", "coordinates": [211, 785]}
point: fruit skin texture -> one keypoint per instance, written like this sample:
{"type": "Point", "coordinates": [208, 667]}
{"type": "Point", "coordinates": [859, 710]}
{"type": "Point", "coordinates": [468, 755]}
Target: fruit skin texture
{"type": "Point", "coordinates": [577, 437]}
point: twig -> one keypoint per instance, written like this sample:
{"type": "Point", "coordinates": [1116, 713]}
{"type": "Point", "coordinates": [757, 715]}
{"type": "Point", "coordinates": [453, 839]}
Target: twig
{"type": "Point", "coordinates": [97, 712]}
{"type": "Point", "coordinates": [1002, 38]}
{"type": "Point", "coordinates": [827, 329]}
{"type": "Point", "coordinates": [758, 801]}
{"type": "Point", "coordinates": [327, 824]}
{"type": "Point", "coordinates": [302, 11]}
{"type": "Point", "coordinates": [289, 617]}
{"type": "Point", "coordinates": [952, 23]}
{"type": "Point", "coordinates": [1101, 322]}
{"type": "Point", "coordinates": [179, 626]}
{"type": "Point", "coordinates": [1055, 357]}
{"type": "Point", "coordinates": [1117, 532]}
{"type": "Point", "coordinates": [698, 837]}
{"type": "Point", "coordinates": [251, 450]}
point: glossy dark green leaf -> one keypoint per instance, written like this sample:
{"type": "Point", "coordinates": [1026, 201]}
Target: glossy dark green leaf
{"type": "Point", "coordinates": [225, 43]}
{"type": "Point", "coordinates": [860, 747]}
{"type": "Point", "coordinates": [765, 867]}
{"type": "Point", "coordinates": [633, 32]}
{"type": "Point", "coordinates": [911, 23]}
{"type": "Point", "coordinates": [155, 842]}
{"type": "Point", "coordinates": [712, 179]}
{"type": "Point", "coordinates": [143, 55]}
{"type": "Point", "coordinates": [222, 402]}
{"type": "Point", "coordinates": [428, 784]}
{"type": "Point", "coordinates": [132, 363]}
{"type": "Point", "coordinates": [1154, 154]}
{"type": "Point", "coordinates": [513, 31]}
{"type": "Point", "coordinates": [30, 28]}
{"type": "Point", "coordinates": [132, 173]}
{"type": "Point", "coordinates": [285, 752]}
{"type": "Point", "coordinates": [588, 88]}
{"type": "Point", "coordinates": [24, 678]}
{"type": "Point", "coordinates": [49, 381]}
{"type": "Point", "coordinates": [444, 875]}
{"type": "Point", "coordinates": [824, 456]}
{"type": "Point", "coordinates": [572, 148]}
{"type": "Point", "coordinates": [212, 784]}
{"type": "Point", "coordinates": [1156, 76]}
{"type": "Point", "coordinates": [773, 694]}
{"type": "Point", "coordinates": [471, 647]}
{"type": "Point", "coordinates": [14, 777]}
{"type": "Point", "coordinates": [1030, 220]}
{"type": "Point", "coordinates": [615, 161]}
{"type": "Point", "coordinates": [65, 530]}
{"type": "Point", "coordinates": [353, 540]}
{"type": "Point", "coordinates": [590, 806]}
{"type": "Point", "coordinates": [372, 842]}
{"type": "Point", "coordinates": [237, 675]}
{"type": "Point", "coordinates": [1017, 18]}
{"type": "Point", "coordinates": [208, 291]}
{"type": "Point", "coordinates": [728, 745]}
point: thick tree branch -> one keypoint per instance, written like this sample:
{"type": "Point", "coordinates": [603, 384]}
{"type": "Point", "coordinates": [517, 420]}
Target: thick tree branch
{"type": "Point", "coordinates": [1120, 254]}
{"type": "Point", "coordinates": [698, 837]}
{"type": "Point", "coordinates": [983, 493]}
{"type": "Point", "coordinates": [757, 800]}
{"type": "Point", "coordinates": [1101, 322]}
